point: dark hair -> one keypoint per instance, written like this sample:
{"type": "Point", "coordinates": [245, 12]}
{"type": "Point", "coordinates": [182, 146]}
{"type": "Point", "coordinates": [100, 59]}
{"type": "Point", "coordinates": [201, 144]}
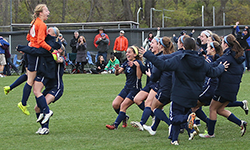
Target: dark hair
{"type": "Point", "coordinates": [235, 45]}
{"type": "Point", "coordinates": [150, 33]}
{"type": "Point", "coordinates": [189, 44]}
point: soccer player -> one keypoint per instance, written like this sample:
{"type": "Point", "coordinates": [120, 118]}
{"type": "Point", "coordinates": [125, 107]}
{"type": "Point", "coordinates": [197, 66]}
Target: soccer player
{"type": "Point", "coordinates": [228, 86]}
{"type": "Point", "coordinates": [190, 70]}
{"type": "Point", "coordinates": [133, 70]}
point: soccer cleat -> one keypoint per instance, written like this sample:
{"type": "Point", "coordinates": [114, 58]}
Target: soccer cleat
{"type": "Point", "coordinates": [245, 107]}
{"type": "Point", "coordinates": [196, 128]}
{"type": "Point", "coordinates": [182, 130]}
{"type": "Point", "coordinates": [40, 118]}
{"type": "Point", "coordinates": [190, 120]}
{"type": "Point", "coordinates": [6, 89]}
{"type": "Point", "coordinates": [243, 127]}
{"type": "Point", "coordinates": [174, 143]}
{"type": "Point", "coordinates": [137, 125]}
{"type": "Point", "coordinates": [192, 135]}
{"type": "Point", "coordinates": [111, 127]}
{"type": "Point", "coordinates": [44, 131]}
{"type": "Point", "coordinates": [206, 136]}
{"type": "Point", "coordinates": [39, 130]}
{"type": "Point", "coordinates": [23, 108]}
{"type": "Point", "coordinates": [47, 116]}
{"type": "Point", "coordinates": [149, 129]}
{"type": "Point", "coordinates": [124, 122]}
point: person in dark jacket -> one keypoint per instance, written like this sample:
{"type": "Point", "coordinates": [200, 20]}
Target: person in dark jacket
{"type": "Point", "coordinates": [73, 42]}
{"type": "Point", "coordinates": [190, 70]}
{"type": "Point", "coordinates": [102, 46]}
{"type": "Point", "coordinates": [81, 55]}
{"type": "Point", "coordinates": [100, 65]}
{"type": "Point", "coordinates": [228, 85]}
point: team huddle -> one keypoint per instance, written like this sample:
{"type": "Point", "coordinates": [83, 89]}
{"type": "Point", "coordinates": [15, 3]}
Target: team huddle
{"type": "Point", "coordinates": [192, 77]}
{"type": "Point", "coordinates": [204, 74]}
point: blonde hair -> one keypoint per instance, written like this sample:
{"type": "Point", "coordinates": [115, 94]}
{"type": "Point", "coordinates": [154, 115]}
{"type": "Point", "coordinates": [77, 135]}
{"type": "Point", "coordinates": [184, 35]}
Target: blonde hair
{"type": "Point", "coordinates": [84, 40]}
{"type": "Point", "coordinates": [37, 10]}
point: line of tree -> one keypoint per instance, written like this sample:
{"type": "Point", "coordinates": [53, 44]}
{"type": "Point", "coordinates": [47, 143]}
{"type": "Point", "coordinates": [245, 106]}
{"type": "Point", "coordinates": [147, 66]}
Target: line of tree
{"type": "Point", "coordinates": [186, 12]}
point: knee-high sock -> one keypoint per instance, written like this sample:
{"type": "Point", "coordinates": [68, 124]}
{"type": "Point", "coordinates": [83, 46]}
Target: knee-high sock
{"type": "Point", "coordinates": [18, 81]}
{"type": "Point", "coordinates": [120, 117]}
{"type": "Point", "coordinates": [161, 115]}
{"type": "Point", "coordinates": [117, 110]}
{"type": "Point", "coordinates": [175, 131]}
{"type": "Point", "coordinates": [142, 105]}
{"type": "Point", "coordinates": [42, 104]}
{"type": "Point", "coordinates": [156, 123]}
{"type": "Point", "coordinates": [26, 93]}
{"type": "Point", "coordinates": [211, 126]}
{"type": "Point", "coordinates": [145, 115]}
{"type": "Point", "coordinates": [234, 119]}
{"type": "Point", "coordinates": [235, 104]}
{"type": "Point", "coordinates": [200, 113]}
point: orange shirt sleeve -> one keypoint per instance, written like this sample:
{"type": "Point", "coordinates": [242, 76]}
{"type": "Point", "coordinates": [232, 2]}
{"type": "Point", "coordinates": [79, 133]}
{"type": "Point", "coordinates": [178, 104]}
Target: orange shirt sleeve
{"type": "Point", "coordinates": [42, 32]}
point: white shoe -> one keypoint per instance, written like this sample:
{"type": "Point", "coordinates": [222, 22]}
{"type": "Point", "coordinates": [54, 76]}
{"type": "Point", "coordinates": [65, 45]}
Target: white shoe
{"type": "Point", "coordinates": [245, 107]}
{"type": "Point", "coordinates": [137, 125]}
{"type": "Point", "coordinates": [175, 143]}
{"type": "Point", "coordinates": [44, 131]}
{"type": "Point", "coordinates": [40, 118]}
{"type": "Point", "coordinates": [206, 136]}
{"type": "Point", "coordinates": [149, 129]}
{"type": "Point", "coordinates": [243, 127]}
{"type": "Point", "coordinates": [104, 72]}
{"type": "Point", "coordinates": [39, 130]}
{"type": "Point", "coordinates": [109, 71]}
{"type": "Point", "coordinates": [192, 135]}
{"type": "Point", "coordinates": [47, 116]}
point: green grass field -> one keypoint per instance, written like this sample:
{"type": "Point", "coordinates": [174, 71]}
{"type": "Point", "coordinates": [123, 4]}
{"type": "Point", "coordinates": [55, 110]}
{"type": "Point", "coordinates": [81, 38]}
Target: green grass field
{"type": "Point", "coordinates": [85, 108]}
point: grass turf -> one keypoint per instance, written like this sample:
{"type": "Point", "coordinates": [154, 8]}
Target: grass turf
{"type": "Point", "coordinates": [85, 108]}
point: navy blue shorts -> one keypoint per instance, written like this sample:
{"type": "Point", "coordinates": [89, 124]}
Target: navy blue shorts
{"type": "Point", "coordinates": [129, 93]}
{"type": "Point", "coordinates": [163, 97]}
{"type": "Point", "coordinates": [220, 99]}
{"type": "Point", "coordinates": [25, 60]}
{"type": "Point", "coordinates": [205, 100]}
{"type": "Point", "coordinates": [41, 79]}
{"type": "Point", "coordinates": [32, 62]}
{"type": "Point", "coordinates": [149, 86]}
{"type": "Point", "coordinates": [55, 92]}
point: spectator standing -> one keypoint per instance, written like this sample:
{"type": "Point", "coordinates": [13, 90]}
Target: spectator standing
{"type": "Point", "coordinates": [148, 40]}
{"type": "Point", "coordinates": [102, 47]}
{"type": "Point", "coordinates": [74, 40]}
{"type": "Point", "coordinates": [64, 42]}
{"type": "Point", "coordinates": [8, 62]}
{"type": "Point", "coordinates": [182, 33]}
{"type": "Point", "coordinates": [97, 37]}
{"type": "Point", "coordinates": [120, 47]}
{"type": "Point", "coordinates": [81, 55]}
{"type": "Point", "coordinates": [3, 44]}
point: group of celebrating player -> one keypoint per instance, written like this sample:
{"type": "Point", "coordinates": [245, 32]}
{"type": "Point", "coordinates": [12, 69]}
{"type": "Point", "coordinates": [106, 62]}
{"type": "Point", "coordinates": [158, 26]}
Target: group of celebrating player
{"type": "Point", "coordinates": [192, 77]}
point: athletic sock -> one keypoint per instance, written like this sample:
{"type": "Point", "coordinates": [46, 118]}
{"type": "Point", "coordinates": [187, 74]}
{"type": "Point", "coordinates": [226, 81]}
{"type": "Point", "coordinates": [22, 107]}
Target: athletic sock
{"type": "Point", "coordinates": [161, 115]}
{"type": "Point", "coordinates": [142, 105]}
{"type": "Point", "coordinates": [37, 116]}
{"type": "Point", "coordinates": [156, 123]}
{"type": "Point", "coordinates": [117, 110]}
{"type": "Point", "coordinates": [235, 104]}
{"type": "Point", "coordinates": [120, 117]}
{"type": "Point", "coordinates": [18, 81]}
{"type": "Point", "coordinates": [42, 104]}
{"type": "Point", "coordinates": [234, 119]}
{"type": "Point", "coordinates": [26, 94]}
{"type": "Point", "coordinates": [211, 126]}
{"type": "Point", "coordinates": [200, 113]}
{"type": "Point", "coordinates": [145, 115]}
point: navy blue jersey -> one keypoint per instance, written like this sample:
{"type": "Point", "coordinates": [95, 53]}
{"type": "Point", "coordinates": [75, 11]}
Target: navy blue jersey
{"type": "Point", "coordinates": [131, 79]}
